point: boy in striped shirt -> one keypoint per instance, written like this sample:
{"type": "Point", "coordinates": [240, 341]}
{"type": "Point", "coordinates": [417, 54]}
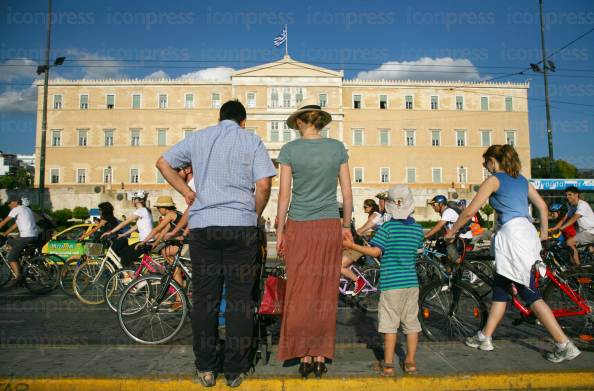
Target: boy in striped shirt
{"type": "Point", "coordinates": [396, 243]}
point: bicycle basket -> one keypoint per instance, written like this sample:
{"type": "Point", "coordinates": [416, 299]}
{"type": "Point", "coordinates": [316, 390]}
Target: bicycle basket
{"type": "Point", "coordinates": [93, 249]}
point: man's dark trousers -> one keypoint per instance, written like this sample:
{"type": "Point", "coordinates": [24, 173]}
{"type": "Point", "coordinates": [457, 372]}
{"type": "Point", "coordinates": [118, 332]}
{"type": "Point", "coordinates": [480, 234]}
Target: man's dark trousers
{"type": "Point", "coordinates": [223, 254]}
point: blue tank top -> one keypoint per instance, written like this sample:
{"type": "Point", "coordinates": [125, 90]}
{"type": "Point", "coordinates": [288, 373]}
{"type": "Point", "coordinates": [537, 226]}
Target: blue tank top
{"type": "Point", "coordinates": [511, 200]}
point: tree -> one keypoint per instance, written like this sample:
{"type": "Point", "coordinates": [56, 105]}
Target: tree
{"type": "Point", "coordinates": [561, 169]}
{"type": "Point", "coordinates": [20, 179]}
{"type": "Point", "coordinates": [61, 216]}
{"type": "Point", "coordinates": [488, 211]}
{"type": "Point", "coordinates": [80, 212]}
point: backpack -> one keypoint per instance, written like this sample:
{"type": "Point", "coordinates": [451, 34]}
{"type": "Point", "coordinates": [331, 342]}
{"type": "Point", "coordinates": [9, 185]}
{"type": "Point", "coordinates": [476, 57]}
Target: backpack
{"type": "Point", "coordinates": [454, 206]}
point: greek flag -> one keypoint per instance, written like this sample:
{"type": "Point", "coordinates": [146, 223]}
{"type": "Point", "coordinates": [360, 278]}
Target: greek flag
{"type": "Point", "coordinates": [280, 39]}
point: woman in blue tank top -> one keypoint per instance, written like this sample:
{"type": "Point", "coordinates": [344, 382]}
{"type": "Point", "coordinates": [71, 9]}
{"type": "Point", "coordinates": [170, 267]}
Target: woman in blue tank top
{"type": "Point", "coordinates": [517, 247]}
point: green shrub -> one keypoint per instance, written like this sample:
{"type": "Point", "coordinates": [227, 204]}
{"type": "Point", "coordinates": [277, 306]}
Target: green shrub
{"type": "Point", "coordinates": [80, 213]}
{"type": "Point", "coordinates": [62, 216]}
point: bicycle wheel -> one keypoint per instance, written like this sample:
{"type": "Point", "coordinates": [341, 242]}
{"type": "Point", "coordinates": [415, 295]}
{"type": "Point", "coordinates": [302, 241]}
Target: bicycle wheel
{"type": "Point", "coordinates": [450, 312]}
{"type": "Point", "coordinates": [115, 285]}
{"type": "Point", "coordinates": [41, 274]}
{"type": "Point", "coordinates": [579, 328]}
{"type": "Point", "coordinates": [67, 275]}
{"type": "Point", "coordinates": [368, 298]}
{"type": "Point", "coordinates": [89, 280]}
{"type": "Point", "coordinates": [427, 271]}
{"type": "Point", "coordinates": [146, 320]}
{"type": "Point", "coordinates": [5, 273]}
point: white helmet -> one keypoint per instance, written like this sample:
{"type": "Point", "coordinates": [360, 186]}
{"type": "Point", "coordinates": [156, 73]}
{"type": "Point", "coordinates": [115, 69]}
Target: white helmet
{"type": "Point", "coordinates": [25, 201]}
{"type": "Point", "coordinates": [140, 194]}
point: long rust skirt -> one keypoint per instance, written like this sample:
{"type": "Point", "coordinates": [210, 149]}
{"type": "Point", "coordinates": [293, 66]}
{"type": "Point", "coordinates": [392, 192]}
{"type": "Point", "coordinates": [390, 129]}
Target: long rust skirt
{"type": "Point", "coordinates": [313, 252]}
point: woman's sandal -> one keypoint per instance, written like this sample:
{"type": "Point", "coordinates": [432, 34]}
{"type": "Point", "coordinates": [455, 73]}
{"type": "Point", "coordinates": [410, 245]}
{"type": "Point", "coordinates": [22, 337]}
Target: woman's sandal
{"type": "Point", "coordinates": [409, 368]}
{"type": "Point", "coordinates": [207, 379]}
{"type": "Point", "coordinates": [384, 369]}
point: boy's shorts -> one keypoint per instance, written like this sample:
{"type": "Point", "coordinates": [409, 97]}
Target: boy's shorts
{"type": "Point", "coordinates": [399, 307]}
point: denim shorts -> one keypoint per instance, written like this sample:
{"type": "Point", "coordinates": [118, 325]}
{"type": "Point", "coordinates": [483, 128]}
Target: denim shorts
{"type": "Point", "coordinates": [502, 290]}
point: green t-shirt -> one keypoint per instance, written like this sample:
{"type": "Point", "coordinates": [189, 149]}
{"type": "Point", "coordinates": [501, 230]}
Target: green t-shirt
{"type": "Point", "coordinates": [315, 164]}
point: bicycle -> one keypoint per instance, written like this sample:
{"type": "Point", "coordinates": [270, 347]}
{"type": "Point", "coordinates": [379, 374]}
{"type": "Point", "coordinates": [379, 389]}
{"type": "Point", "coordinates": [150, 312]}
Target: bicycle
{"type": "Point", "coordinates": [454, 309]}
{"type": "Point", "coordinates": [119, 279]}
{"type": "Point", "coordinates": [146, 310]}
{"type": "Point", "coordinates": [367, 268]}
{"type": "Point", "coordinates": [40, 273]}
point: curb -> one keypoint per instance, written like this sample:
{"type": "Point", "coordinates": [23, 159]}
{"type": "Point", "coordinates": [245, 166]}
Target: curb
{"type": "Point", "coordinates": [487, 381]}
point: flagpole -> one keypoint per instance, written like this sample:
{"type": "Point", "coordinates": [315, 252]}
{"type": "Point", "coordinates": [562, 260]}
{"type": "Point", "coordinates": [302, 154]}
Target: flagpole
{"type": "Point", "coordinates": [287, 42]}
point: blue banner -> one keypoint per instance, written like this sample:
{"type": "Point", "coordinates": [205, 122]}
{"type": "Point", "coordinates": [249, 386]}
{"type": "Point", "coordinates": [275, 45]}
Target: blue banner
{"type": "Point", "coordinates": [562, 184]}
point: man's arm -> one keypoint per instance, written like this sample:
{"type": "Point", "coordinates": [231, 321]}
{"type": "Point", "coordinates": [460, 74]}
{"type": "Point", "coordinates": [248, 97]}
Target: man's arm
{"type": "Point", "coordinates": [5, 221]}
{"type": "Point", "coordinates": [173, 178]}
{"type": "Point", "coordinates": [576, 216]}
{"type": "Point", "coordinates": [10, 230]}
{"type": "Point", "coordinates": [262, 194]}
{"type": "Point", "coordinates": [440, 224]}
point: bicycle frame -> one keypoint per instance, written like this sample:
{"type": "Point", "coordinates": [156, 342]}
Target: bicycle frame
{"type": "Point", "coordinates": [110, 257]}
{"type": "Point", "coordinates": [366, 289]}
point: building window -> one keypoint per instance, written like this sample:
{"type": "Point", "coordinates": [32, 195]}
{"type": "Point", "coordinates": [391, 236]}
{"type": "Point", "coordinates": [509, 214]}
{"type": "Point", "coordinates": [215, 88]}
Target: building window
{"type": "Point", "coordinates": [135, 137]}
{"type": "Point", "coordinates": [459, 103]}
{"type": "Point", "coordinates": [358, 174]}
{"type": "Point", "coordinates": [81, 175]}
{"type": "Point", "coordinates": [161, 137]}
{"type": "Point", "coordinates": [356, 101]}
{"type": "Point", "coordinates": [134, 175]}
{"type": "Point", "coordinates": [251, 99]}
{"type": "Point", "coordinates": [83, 136]}
{"type": "Point", "coordinates": [136, 101]}
{"type": "Point", "coordinates": [216, 100]}
{"type": "Point", "coordinates": [55, 175]}
{"type": "Point", "coordinates": [286, 98]}
{"type": "Point", "coordinates": [160, 178]}
{"type": "Point", "coordinates": [486, 173]}
{"type": "Point", "coordinates": [110, 101]}
{"type": "Point", "coordinates": [358, 137]}
{"type": "Point", "coordinates": [84, 102]}
{"type": "Point", "coordinates": [57, 102]}
{"type": "Point", "coordinates": [384, 136]}
{"type": "Point", "coordinates": [273, 98]}
{"type": "Point", "coordinates": [108, 175]}
{"type": "Point", "coordinates": [299, 97]}
{"type": "Point", "coordinates": [408, 102]}
{"type": "Point", "coordinates": [485, 138]}
{"type": "Point", "coordinates": [187, 132]}
{"type": "Point", "coordinates": [409, 138]}
{"type": "Point", "coordinates": [162, 101]}
{"type": "Point", "coordinates": [509, 104]}
{"type": "Point", "coordinates": [383, 101]}
{"type": "Point", "coordinates": [484, 103]}
{"type": "Point", "coordinates": [274, 134]}
{"type": "Point", "coordinates": [436, 175]}
{"type": "Point", "coordinates": [323, 101]}
{"type": "Point", "coordinates": [325, 133]}
{"type": "Point", "coordinates": [462, 175]}
{"type": "Point", "coordinates": [435, 138]}
{"type": "Point", "coordinates": [108, 138]}
{"type": "Point", "coordinates": [411, 175]}
{"type": "Point", "coordinates": [189, 101]}
{"type": "Point", "coordinates": [434, 102]}
{"type": "Point", "coordinates": [460, 138]}
{"type": "Point", "coordinates": [56, 138]}
{"type": "Point", "coordinates": [384, 175]}
{"type": "Point", "coordinates": [286, 132]}
{"type": "Point", "coordinates": [510, 137]}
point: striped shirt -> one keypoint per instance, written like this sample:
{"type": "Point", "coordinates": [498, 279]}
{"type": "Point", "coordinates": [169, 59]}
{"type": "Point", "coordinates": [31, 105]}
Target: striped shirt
{"type": "Point", "coordinates": [399, 241]}
{"type": "Point", "coordinates": [226, 161]}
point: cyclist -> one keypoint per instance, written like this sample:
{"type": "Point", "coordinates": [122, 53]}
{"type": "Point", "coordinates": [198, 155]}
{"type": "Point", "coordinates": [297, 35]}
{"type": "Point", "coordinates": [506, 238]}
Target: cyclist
{"type": "Point", "coordinates": [581, 213]}
{"type": "Point", "coordinates": [478, 232]}
{"type": "Point", "coordinates": [439, 203]}
{"type": "Point", "coordinates": [169, 220]}
{"type": "Point", "coordinates": [28, 233]}
{"type": "Point", "coordinates": [144, 224]}
{"type": "Point", "coordinates": [350, 256]}
{"type": "Point", "coordinates": [382, 197]}
{"type": "Point", "coordinates": [107, 221]}
{"type": "Point", "coordinates": [517, 247]}
{"type": "Point", "coordinates": [559, 218]}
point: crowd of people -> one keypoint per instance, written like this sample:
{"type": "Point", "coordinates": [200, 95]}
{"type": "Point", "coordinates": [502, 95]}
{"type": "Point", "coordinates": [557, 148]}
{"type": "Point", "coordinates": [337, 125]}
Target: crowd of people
{"type": "Point", "coordinates": [233, 173]}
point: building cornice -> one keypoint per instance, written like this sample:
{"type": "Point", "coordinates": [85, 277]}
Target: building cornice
{"type": "Point", "coordinates": [435, 83]}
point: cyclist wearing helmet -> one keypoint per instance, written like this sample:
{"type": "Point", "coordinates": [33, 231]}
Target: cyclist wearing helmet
{"type": "Point", "coordinates": [558, 218]}
{"type": "Point", "coordinates": [28, 233]}
{"type": "Point", "coordinates": [439, 203]}
{"type": "Point", "coordinates": [144, 225]}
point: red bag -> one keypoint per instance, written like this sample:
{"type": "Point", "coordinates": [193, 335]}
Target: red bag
{"type": "Point", "coordinates": [273, 299]}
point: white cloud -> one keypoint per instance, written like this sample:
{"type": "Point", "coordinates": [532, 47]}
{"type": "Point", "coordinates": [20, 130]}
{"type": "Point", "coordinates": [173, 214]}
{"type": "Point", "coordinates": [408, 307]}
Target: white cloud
{"type": "Point", "coordinates": [17, 69]}
{"type": "Point", "coordinates": [158, 75]}
{"type": "Point", "coordinates": [425, 68]}
{"type": "Point", "coordinates": [19, 101]}
{"type": "Point", "coordinates": [209, 74]}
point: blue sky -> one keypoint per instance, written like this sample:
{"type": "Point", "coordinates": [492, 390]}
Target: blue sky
{"type": "Point", "coordinates": [490, 38]}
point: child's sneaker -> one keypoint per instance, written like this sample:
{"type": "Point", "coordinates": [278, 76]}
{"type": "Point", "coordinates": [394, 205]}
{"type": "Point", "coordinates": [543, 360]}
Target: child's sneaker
{"type": "Point", "coordinates": [479, 341]}
{"type": "Point", "coordinates": [568, 353]}
{"type": "Point", "coordinates": [359, 285]}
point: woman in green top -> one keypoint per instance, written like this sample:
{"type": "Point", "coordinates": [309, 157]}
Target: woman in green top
{"type": "Point", "coordinates": [310, 239]}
